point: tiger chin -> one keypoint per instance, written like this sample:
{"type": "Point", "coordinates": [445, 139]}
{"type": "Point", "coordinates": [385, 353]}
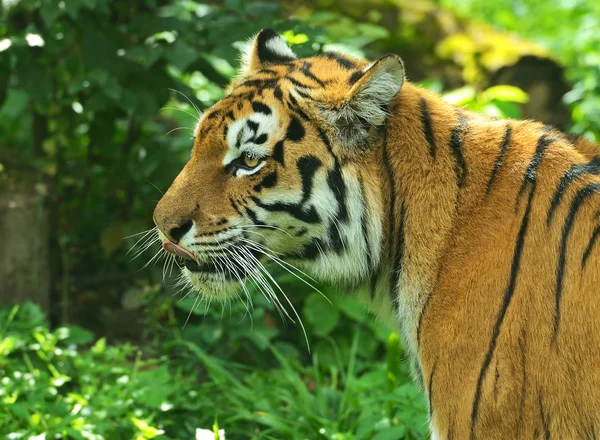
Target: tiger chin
{"type": "Point", "coordinates": [476, 236]}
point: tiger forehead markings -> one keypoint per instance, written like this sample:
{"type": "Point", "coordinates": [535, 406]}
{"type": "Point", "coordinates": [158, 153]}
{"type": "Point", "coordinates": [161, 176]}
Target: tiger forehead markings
{"type": "Point", "coordinates": [477, 237]}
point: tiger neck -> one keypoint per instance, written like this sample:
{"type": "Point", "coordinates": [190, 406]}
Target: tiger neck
{"type": "Point", "coordinates": [419, 200]}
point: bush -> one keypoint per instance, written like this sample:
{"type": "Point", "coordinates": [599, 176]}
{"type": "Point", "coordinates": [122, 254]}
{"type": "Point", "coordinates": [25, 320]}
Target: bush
{"type": "Point", "coordinates": [63, 384]}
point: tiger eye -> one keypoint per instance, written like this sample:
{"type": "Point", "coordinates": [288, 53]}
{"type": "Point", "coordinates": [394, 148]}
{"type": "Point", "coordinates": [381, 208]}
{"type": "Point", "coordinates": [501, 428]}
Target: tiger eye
{"type": "Point", "coordinates": [250, 161]}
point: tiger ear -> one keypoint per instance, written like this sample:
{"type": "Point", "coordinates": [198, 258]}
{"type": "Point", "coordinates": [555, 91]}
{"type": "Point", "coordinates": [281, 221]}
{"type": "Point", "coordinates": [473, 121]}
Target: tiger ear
{"type": "Point", "coordinates": [268, 47]}
{"type": "Point", "coordinates": [366, 103]}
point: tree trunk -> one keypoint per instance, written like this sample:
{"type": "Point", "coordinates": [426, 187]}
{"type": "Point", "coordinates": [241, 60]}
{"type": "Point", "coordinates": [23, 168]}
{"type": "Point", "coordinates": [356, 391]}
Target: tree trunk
{"type": "Point", "coordinates": [24, 268]}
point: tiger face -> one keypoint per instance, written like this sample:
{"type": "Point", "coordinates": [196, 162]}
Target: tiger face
{"type": "Point", "coordinates": [274, 172]}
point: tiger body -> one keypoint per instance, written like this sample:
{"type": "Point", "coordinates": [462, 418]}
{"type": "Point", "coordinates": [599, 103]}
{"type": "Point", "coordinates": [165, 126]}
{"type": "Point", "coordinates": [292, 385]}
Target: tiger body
{"type": "Point", "coordinates": [476, 236]}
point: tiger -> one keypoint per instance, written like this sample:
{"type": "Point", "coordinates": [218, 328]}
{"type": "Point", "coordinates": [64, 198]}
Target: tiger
{"type": "Point", "coordinates": [476, 236]}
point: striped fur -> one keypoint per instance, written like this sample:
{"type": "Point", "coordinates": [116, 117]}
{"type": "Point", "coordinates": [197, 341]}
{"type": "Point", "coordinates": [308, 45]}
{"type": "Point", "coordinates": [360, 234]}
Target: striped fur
{"type": "Point", "coordinates": [477, 237]}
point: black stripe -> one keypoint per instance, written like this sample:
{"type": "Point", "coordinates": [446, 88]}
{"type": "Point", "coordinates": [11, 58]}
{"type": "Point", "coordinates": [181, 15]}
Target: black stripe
{"type": "Point", "coordinates": [575, 172]}
{"type": "Point", "coordinates": [263, 84]}
{"type": "Point", "coordinates": [345, 63]}
{"type": "Point", "coordinates": [304, 94]}
{"type": "Point", "coordinates": [531, 171]}
{"type": "Point", "coordinates": [307, 167]}
{"type": "Point", "coordinates": [261, 139]}
{"type": "Point", "coordinates": [578, 200]}
{"type": "Point", "coordinates": [234, 205]}
{"type": "Point", "coordinates": [336, 241]}
{"type": "Point", "coordinates": [295, 210]}
{"type": "Point", "coordinates": [427, 128]}
{"type": "Point", "coordinates": [456, 141]}
{"type": "Point", "coordinates": [259, 107]}
{"type": "Point", "coordinates": [355, 77]}
{"type": "Point", "coordinates": [335, 180]}
{"type": "Point", "coordinates": [295, 131]}
{"type": "Point", "coordinates": [430, 390]}
{"type": "Point", "coordinates": [297, 83]}
{"type": "Point", "coordinates": [365, 226]}
{"type": "Point", "coordinates": [543, 417]}
{"type": "Point", "coordinates": [277, 93]}
{"type": "Point", "coordinates": [398, 254]}
{"type": "Point", "coordinates": [374, 279]}
{"type": "Point", "coordinates": [302, 231]}
{"type": "Point", "coordinates": [392, 211]}
{"type": "Point", "coordinates": [308, 252]}
{"type": "Point", "coordinates": [211, 115]}
{"type": "Point", "coordinates": [295, 107]}
{"type": "Point", "coordinates": [268, 181]}
{"type": "Point", "coordinates": [589, 247]}
{"type": "Point", "coordinates": [270, 72]}
{"type": "Point", "coordinates": [253, 217]}
{"type": "Point", "coordinates": [278, 152]}
{"type": "Point", "coordinates": [327, 143]}
{"type": "Point", "coordinates": [510, 290]}
{"type": "Point", "coordinates": [252, 125]}
{"type": "Point", "coordinates": [306, 71]}
{"type": "Point", "coordinates": [500, 159]}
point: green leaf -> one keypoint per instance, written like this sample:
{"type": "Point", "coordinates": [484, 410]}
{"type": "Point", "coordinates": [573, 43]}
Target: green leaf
{"type": "Point", "coordinates": [460, 96]}
{"type": "Point", "coordinates": [15, 104]}
{"type": "Point", "coordinates": [147, 431]}
{"type": "Point", "coordinates": [394, 433]}
{"type": "Point", "coordinates": [509, 109]}
{"type": "Point", "coordinates": [73, 334]}
{"type": "Point", "coordinates": [99, 347]}
{"type": "Point", "coordinates": [320, 314]}
{"type": "Point", "coordinates": [505, 93]}
{"type": "Point", "coordinates": [352, 308]}
{"type": "Point", "coordinates": [181, 54]}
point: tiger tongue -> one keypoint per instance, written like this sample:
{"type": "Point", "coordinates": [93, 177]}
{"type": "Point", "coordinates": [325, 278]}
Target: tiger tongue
{"type": "Point", "coordinates": [172, 248]}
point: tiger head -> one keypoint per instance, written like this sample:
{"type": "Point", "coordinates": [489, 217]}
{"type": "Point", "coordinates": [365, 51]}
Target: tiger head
{"type": "Point", "coordinates": [283, 170]}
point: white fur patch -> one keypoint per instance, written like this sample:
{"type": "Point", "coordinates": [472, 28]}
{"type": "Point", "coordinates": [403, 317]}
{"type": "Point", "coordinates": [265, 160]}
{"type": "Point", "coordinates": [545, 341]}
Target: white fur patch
{"type": "Point", "coordinates": [278, 46]}
{"type": "Point", "coordinates": [239, 133]}
{"type": "Point", "coordinates": [254, 170]}
{"type": "Point", "coordinates": [434, 435]}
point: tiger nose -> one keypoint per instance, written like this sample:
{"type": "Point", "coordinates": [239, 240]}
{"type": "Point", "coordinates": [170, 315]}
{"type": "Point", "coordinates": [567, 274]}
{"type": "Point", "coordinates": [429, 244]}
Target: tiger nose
{"type": "Point", "coordinates": [175, 231]}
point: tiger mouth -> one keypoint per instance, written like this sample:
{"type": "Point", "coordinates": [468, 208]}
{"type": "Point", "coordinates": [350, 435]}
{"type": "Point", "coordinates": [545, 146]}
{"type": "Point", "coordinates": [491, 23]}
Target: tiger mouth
{"type": "Point", "coordinates": [229, 266]}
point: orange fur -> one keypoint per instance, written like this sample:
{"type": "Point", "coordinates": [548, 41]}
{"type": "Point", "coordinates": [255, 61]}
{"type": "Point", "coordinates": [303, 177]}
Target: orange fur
{"type": "Point", "coordinates": [485, 236]}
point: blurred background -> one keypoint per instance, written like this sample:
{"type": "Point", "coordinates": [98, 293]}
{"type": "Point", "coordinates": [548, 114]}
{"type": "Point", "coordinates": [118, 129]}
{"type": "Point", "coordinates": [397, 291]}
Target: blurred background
{"type": "Point", "coordinates": [98, 99]}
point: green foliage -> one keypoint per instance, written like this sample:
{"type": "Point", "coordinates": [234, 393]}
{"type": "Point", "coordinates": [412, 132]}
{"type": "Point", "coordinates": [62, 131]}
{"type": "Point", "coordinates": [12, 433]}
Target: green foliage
{"type": "Point", "coordinates": [55, 382]}
{"type": "Point", "coordinates": [569, 30]}
{"type": "Point", "coordinates": [498, 101]}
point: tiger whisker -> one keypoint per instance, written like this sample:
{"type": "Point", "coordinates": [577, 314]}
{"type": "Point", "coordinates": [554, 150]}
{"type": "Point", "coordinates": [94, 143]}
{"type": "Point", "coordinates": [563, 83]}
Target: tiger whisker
{"type": "Point", "coordinates": [266, 272]}
{"type": "Point", "coordinates": [266, 227]}
{"type": "Point", "coordinates": [180, 110]}
{"type": "Point", "coordinates": [179, 128]}
{"type": "Point", "coordinates": [190, 101]}
{"type": "Point", "coordinates": [280, 261]}
{"type": "Point", "coordinates": [294, 311]}
{"type": "Point", "coordinates": [264, 285]}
